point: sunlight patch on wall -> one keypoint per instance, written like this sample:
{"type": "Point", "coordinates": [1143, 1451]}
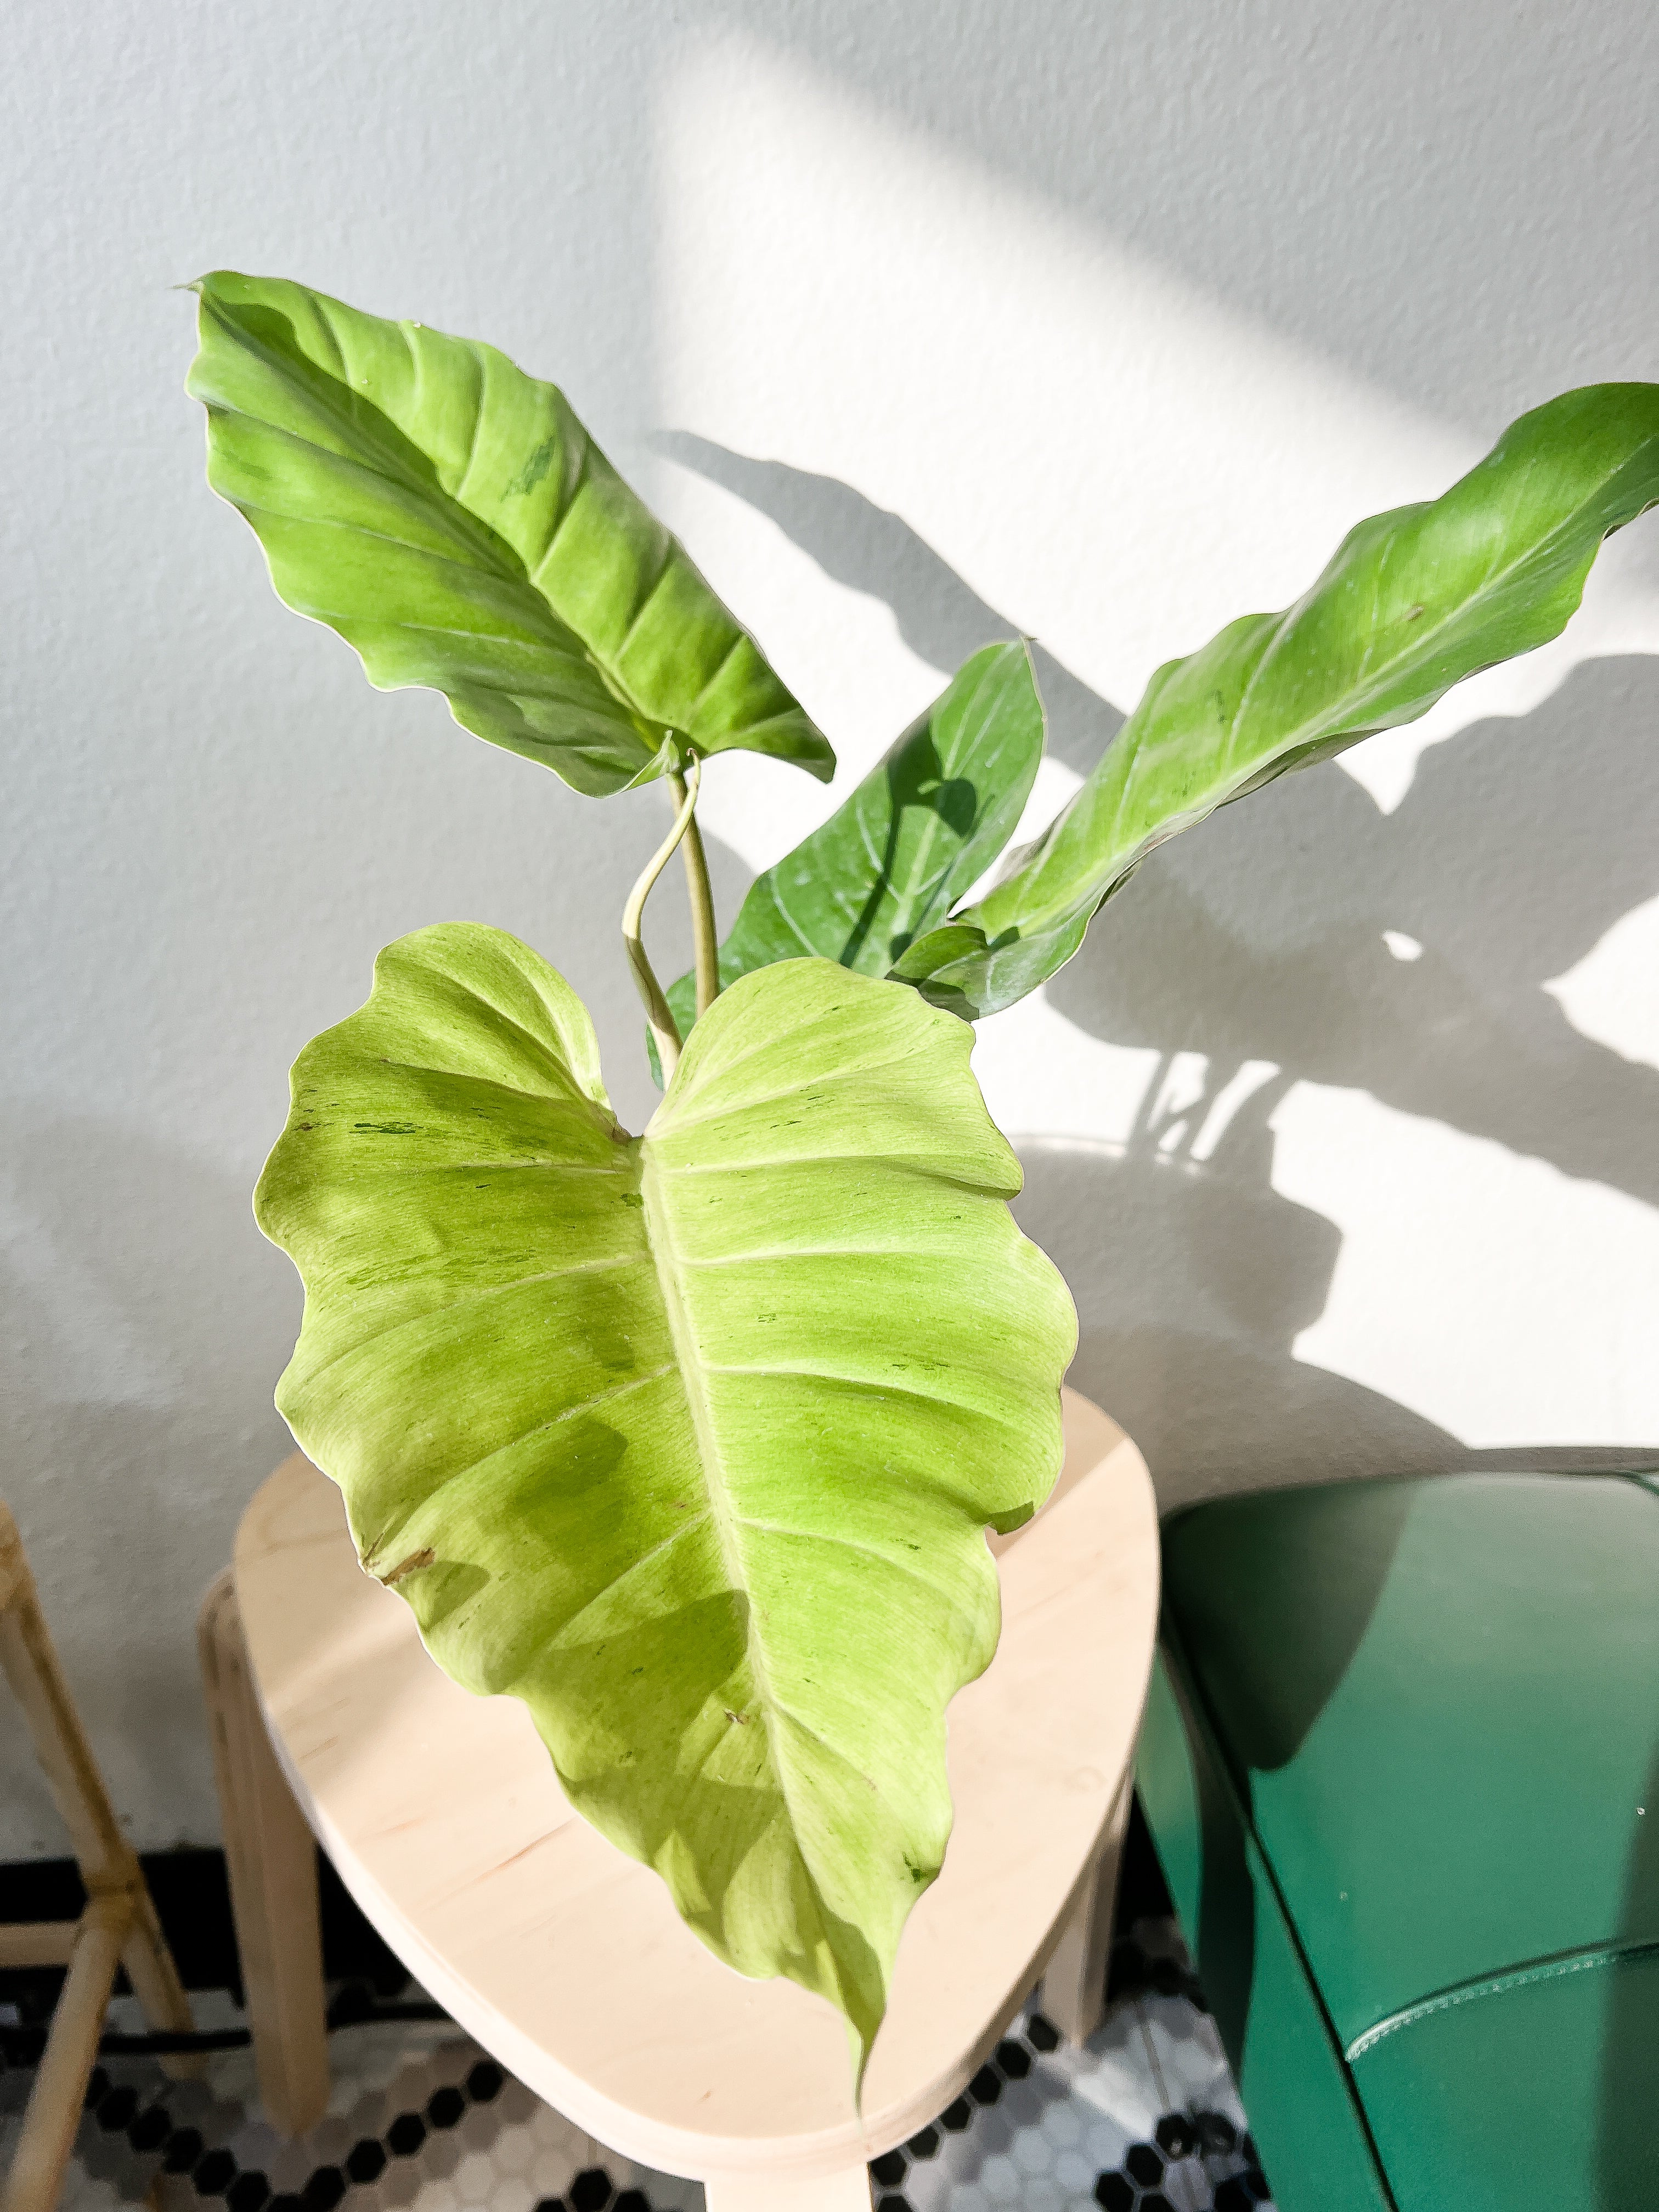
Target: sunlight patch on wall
{"type": "Point", "coordinates": [1473, 1284]}
{"type": "Point", "coordinates": [1043, 1076]}
{"type": "Point", "coordinates": [1612, 994]}
{"type": "Point", "coordinates": [1111, 460]}
{"type": "Point", "coordinates": [909, 405]}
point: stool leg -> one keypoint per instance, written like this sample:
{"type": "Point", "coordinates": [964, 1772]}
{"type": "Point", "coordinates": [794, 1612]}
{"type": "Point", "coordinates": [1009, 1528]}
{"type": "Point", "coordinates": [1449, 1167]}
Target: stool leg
{"type": "Point", "coordinates": [846, 2191]}
{"type": "Point", "coordinates": [1075, 1980]}
{"type": "Point", "coordinates": [272, 1864]}
{"type": "Point", "coordinates": [155, 1983]}
{"type": "Point", "coordinates": [54, 2111]}
{"type": "Point", "coordinates": [109, 1867]}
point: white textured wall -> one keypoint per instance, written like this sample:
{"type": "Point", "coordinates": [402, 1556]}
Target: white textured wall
{"type": "Point", "coordinates": [923, 323]}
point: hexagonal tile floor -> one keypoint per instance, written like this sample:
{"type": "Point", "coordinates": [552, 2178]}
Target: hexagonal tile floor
{"type": "Point", "coordinates": [1145, 2118]}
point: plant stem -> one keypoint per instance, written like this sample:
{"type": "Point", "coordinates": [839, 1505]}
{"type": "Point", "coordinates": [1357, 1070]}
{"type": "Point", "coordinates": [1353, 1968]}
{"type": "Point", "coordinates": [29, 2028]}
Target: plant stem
{"type": "Point", "coordinates": [664, 1029]}
{"type": "Point", "coordinates": [705, 938]}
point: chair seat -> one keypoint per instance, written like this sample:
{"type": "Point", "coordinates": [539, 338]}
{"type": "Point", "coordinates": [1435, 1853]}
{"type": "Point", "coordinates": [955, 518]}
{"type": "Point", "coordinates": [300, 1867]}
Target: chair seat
{"type": "Point", "coordinates": [565, 1959]}
{"type": "Point", "coordinates": [1400, 1764]}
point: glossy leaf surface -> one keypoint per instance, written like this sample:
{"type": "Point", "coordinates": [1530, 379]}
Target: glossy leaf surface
{"type": "Point", "coordinates": [917, 834]}
{"type": "Point", "coordinates": [687, 1440]}
{"type": "Point", "coordinates": [450, 517]}
{"type": "Point", "coordinates": [1414, 601]}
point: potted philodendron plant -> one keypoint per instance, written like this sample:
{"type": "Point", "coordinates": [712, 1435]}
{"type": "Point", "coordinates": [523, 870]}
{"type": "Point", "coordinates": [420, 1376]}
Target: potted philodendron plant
{"type": "Point", "coordinates": [690, 1439]}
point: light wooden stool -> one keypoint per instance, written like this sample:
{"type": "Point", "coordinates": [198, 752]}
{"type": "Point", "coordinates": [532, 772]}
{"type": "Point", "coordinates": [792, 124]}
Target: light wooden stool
{"type": "Point", "coordinates": [118, 1926]}
{"type": "Point", "coordinates": [566, 1959]}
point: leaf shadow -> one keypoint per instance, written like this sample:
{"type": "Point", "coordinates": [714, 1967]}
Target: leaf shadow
{"type": "Point", "coordinates": [1259, 937]}
{"type": "Point", "coordinates": [871, 550]}
{"type": "Point", "coordinates": [914, 779]}
{"type": "Point", "coordinates": [1519, 844]}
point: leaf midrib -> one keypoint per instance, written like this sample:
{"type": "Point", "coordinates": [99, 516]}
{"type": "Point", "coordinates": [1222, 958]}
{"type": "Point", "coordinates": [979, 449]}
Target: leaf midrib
{"type": "Point", "coordinates": [910, 904]}
{"type": "Point", "coordinates": [724, 1514]}
{"type": "Point", "coordinates": [485, 550]}
{"type": "Point", "coordinates": [941, 882]}
{"type": "Point", "coordinates": [578, 652]}
{"type": "Point", "coordinates": [366, 450]}
{"type": "Point", "coordinates": [927, 890]}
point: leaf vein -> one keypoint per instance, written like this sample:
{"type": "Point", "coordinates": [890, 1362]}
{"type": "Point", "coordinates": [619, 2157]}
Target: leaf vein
{"type": "Point", "coordinates": [626, 1574]}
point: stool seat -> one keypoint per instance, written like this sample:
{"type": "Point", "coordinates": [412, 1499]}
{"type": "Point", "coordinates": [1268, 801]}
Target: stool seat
{"type": "Point", "coordinates": [1402, 1765]}
{"type": "Point", "coordinates": [565, 1958]}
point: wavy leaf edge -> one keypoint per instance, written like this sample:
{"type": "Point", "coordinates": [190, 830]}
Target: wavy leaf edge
{"type": "Point", "coordinates": [364, 1105]}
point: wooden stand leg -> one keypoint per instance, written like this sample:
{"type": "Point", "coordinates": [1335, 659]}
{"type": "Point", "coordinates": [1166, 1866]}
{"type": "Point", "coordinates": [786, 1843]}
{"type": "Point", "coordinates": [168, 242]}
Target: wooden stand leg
{"type": "Point", "coordinates": [846, 2192]}
{"type": "Point", "coordinates": [109, 1867]}
{"type": "Point", "coordinates": [53, 2113]}
{"type": "Point", "coordinates": [272, 1864]}
{"type": "Point", "coordinates": [1074, 1981]}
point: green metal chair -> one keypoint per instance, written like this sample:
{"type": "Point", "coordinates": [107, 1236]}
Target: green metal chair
{"type": "Point", "coordinates": [1401, 1764]}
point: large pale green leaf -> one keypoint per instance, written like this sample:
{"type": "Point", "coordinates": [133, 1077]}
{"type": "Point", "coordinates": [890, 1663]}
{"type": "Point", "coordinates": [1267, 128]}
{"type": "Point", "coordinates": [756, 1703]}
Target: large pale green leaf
{"type": "Point", "coordinates": [687, 1440]}
{"type": "Point", "coordinates": [452, 521]}
{"type": "Point", "coordinates": [920, 830]}
{"type": "Point", "coordinates": [1414, 601]}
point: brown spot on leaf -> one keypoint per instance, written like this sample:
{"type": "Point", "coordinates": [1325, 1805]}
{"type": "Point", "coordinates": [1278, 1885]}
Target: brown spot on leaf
{"type": "Point", "coordinates": [416, 1559]}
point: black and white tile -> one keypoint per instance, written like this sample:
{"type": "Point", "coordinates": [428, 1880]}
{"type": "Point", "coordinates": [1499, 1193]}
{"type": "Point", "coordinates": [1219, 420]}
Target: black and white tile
{"type": "Point", "coordinates": [1145, 2118]}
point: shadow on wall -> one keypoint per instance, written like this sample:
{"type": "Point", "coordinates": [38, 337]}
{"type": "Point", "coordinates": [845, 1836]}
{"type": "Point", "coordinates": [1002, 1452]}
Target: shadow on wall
{"type": "Point", "coordinates": [1259, 938]}
{"type": "Point", "coordinates": [127, 1365]}
{"type": "Point", "coordinates": [871, 550]}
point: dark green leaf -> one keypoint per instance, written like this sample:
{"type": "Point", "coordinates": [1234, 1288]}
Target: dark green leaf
{"type": "Point", "coordinates": [919, 830]}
